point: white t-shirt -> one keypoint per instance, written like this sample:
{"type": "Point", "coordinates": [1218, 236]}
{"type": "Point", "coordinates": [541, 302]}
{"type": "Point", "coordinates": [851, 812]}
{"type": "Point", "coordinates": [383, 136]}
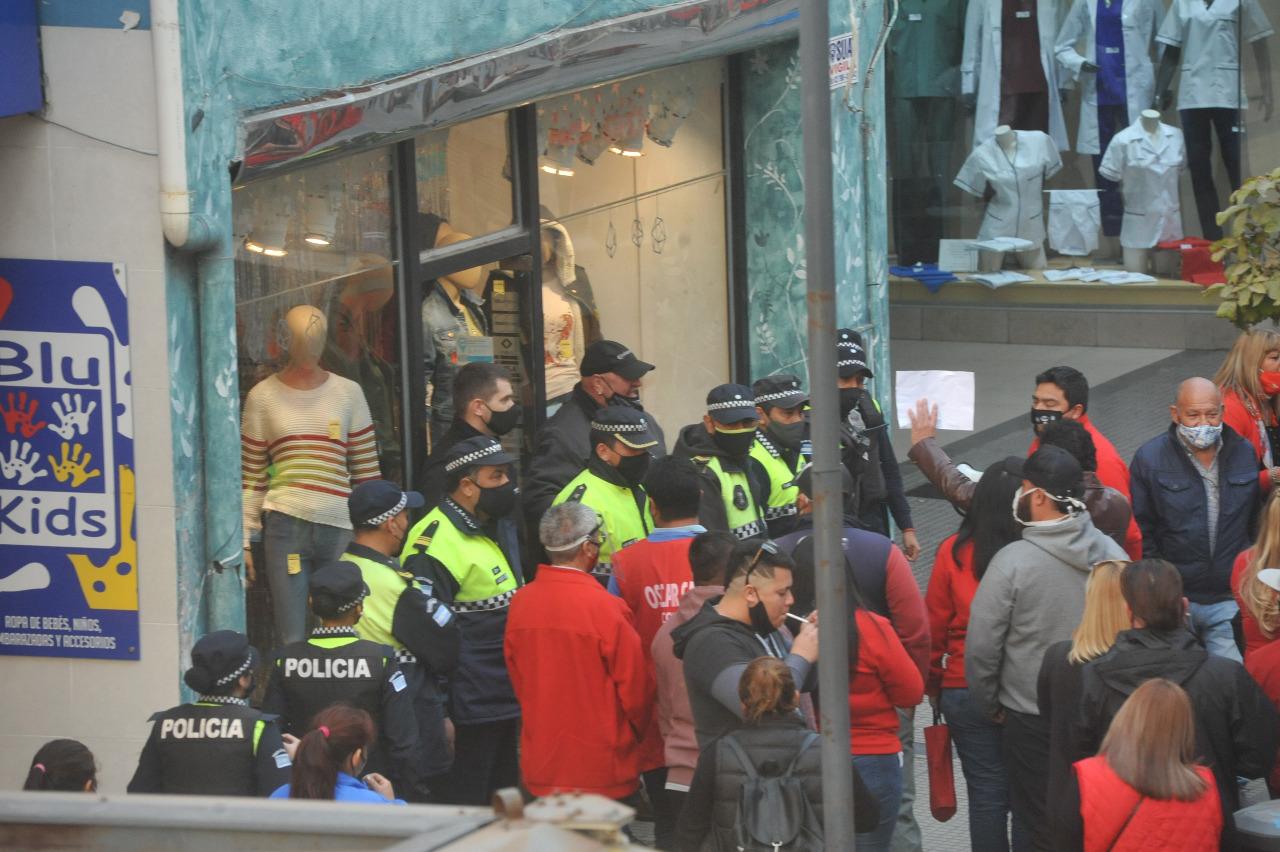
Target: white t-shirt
{"type": "Point", "coordinates": [563, 339]}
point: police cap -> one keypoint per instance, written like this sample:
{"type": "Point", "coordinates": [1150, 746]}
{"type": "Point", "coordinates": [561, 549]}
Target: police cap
{"type": "Point", "coordinates": [623, 423]}
{"type": "Point", "coordinates": [781, 390]}
{"type": "Point", "coordinates": [479, 451]}
{"type": "Point", "coordinates": [851, 354]}
{"type": "Point", "coordinates": [218, 660]}
{"type": "Point", "coordinates": [609, 356]}
{"type": "Point", "coordinates": [336, 589]}
{"type": "Point", "coordinates": [731, 403]}
{"type": "Point", "coordinates": [376, 502]}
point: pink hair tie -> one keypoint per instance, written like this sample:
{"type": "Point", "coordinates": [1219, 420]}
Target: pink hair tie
{"type": "Point", "coordinates": [40, 766]}
{"type": "Point", "coordinates": [324, 730]}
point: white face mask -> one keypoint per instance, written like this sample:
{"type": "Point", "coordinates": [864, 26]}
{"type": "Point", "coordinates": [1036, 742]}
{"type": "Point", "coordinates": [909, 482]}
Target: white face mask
{"type": "Point", "coordinates": [1017, 500]}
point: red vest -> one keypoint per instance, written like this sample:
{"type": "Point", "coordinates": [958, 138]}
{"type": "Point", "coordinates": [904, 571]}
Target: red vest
{"type": "Point", "coordinates": [1106, 801]}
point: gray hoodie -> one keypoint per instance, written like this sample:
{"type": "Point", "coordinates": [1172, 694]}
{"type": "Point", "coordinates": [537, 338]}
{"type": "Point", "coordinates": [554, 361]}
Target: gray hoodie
{"type": "Point", "coordinates": [1031, 596]}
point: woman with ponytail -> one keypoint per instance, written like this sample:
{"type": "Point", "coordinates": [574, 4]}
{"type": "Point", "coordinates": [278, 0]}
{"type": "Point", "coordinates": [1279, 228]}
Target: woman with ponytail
{"type": "Point", "coordinates": [329, 759]}
{"type": "Point", "coordinates": [65, 766]}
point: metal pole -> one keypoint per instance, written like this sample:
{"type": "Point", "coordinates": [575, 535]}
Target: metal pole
{"type": "Point", "coordinates": [819, 233]}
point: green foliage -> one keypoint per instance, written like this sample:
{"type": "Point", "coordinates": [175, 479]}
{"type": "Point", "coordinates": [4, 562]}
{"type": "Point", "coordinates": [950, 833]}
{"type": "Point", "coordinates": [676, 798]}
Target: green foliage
{"type": "Point", "coordinates": [1250, 250]}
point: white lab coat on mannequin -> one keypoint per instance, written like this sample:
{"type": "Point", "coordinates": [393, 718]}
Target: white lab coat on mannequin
{"type": "Point", "coordinates": [1140, 19]}
{"type": "Point", "coordinates": [1147, 168]}
{"type": "Point", "coordinates": [980, 66]}
{"type": "Point", "coordinates": [1210, 44]}
{"type": "Point", "coordinates": [1016, 208]}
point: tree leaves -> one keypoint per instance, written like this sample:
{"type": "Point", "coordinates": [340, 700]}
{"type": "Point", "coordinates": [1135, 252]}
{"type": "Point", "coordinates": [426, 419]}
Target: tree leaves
{"type": "Point", "coordinates": [1251, 252]}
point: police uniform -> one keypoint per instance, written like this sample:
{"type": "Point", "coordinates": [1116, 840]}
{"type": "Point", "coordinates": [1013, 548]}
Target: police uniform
{"type": "Point", "coordinates": [336, 665]}
{"type": "Point", "coordinates": [734, 487]}
{"type": "Point", "coordinates": [781, 464]}
{"type": "Point", "coordinates": [623, 506]}
{"type": "Point", "coordinates": [452, 551]}
{"type": "Point", "coordinates": [401, 611]}
{"type": "Point", "coordinates": [217, 745]}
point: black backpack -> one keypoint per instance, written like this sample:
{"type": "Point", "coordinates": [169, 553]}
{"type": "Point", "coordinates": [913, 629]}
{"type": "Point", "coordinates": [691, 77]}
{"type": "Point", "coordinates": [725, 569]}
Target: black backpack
{"type": "Point", "coordinates": [773, 812]}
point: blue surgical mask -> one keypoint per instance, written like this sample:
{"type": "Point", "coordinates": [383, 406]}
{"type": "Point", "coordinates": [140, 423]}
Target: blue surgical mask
{"type": "Point", "coordinates": [1200, 437]}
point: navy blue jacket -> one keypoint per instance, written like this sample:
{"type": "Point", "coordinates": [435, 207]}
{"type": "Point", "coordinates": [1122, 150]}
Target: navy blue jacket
{"type": "Point", "coordinates": [1172, 511]}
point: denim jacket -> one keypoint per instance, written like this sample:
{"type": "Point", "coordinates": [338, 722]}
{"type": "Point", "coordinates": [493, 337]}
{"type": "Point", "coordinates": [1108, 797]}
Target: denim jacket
{"type": "Point", "coordinates": [442, 326]}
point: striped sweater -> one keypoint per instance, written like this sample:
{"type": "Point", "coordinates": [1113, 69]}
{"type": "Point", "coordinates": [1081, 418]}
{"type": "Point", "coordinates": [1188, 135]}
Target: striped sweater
{"type": "Point", "coordinates": [317, 442]}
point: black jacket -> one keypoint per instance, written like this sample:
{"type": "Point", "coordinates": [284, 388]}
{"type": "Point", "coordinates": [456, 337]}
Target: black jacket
{"type": "Point", "coordinates": [708, 817]}
{"type": "Point", "coordinates": [1170, 507]}
{"type": "Point", "coordinates": [1058, 694]}
{"type": "Point", "coordinates": [715, 651]}
{"type": "Point", "coordinates": [561, 450]}
{"type": "Point", "coordinates": [694, 443]}
{"type": "Point", "coordinates": [1235, 723]}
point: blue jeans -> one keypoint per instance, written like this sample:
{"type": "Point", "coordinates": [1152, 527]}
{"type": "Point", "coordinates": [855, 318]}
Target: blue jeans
{"type": "Point", "coordinates": [977, 741]}
{"type": "Point", "coordinates": [284, 536]}
{"type": "Point", "coordinates": [882, 773]}
{"type": "Point", "coordinates": [1212, 624]}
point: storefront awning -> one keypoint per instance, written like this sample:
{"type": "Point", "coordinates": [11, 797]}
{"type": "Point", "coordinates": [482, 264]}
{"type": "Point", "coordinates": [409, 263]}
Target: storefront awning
{"type": "Point", "coordinates": [549, 64]}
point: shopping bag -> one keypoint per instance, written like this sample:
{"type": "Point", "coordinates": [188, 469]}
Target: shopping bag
{"type": "Point", "coordinates": [942, 780]}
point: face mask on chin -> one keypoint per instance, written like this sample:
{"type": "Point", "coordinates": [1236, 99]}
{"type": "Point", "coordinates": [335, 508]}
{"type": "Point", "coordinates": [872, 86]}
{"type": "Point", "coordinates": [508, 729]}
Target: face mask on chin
{"type": "Point", "coordinates": [760, 622]}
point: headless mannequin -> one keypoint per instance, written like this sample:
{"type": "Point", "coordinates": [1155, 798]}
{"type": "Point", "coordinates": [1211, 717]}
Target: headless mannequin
{"type": "Point", "coordinates": [1137, 260]}
{"type": "Point", "coordinates": [992, 261]}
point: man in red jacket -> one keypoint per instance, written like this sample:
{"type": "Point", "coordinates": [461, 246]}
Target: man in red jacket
{"type": "Point", "coordinates": [1062, 393]}
{"type": "Point", "coordinates": [578, 670]}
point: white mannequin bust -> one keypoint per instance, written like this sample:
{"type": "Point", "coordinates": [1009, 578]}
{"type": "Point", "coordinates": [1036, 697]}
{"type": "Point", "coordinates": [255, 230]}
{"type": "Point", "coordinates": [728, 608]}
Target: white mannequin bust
{"type": "Point", "coordinates": [1006, 138]}
{"type": "Point", "coordinates": [1138, 259]}
{"type": "Point", "coordinates": [992, 261]}
{"type": "Point", "coordinates": [308, 329]}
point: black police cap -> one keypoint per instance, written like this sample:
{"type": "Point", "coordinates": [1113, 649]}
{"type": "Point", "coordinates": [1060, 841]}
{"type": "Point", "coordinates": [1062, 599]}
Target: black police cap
{"type": "Point", "coordinates": [218, 659]}
{"type": "Point", "coordinates": [373, 503]}
{"type": "Point", "coordinates": [609, 356]}
{"type": "Point", "coordinates": [781, 390]}
{"type": "Point", "coordinates": [336, 588]}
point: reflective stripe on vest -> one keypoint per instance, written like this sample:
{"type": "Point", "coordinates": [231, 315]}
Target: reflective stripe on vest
{"type": "Point", "coordinates": [624, 523]}
{"type": "Point", "coordinates": [477, 563]}
{"type": "Point", "coordinates": [745, 521]}
{"type": "Point", "coordinates": [782, 500]}
{"type": "Point", "coordinates": [385, 587]}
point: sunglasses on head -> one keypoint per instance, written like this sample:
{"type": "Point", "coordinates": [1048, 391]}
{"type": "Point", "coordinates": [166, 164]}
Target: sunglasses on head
{"type": "Point", "coordinates": [766, 546]}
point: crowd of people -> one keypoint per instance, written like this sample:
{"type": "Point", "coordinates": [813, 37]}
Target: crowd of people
{"type": "Point", "coordinates": [1079, 633]}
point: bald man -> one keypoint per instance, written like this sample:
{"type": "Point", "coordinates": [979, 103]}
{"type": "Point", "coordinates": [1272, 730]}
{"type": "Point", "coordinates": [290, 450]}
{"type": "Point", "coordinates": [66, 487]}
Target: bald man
{"type": "Point", "coordinates": [1196, 499]}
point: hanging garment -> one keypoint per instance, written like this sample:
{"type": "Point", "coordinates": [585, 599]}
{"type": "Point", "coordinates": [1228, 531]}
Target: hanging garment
{"type": "Point", "coordinates": [1147, 168]}
{"type": "Point", "coordinates": [1209, 37]}
{"type": "Point", "coordinates": [1139, 20]}
{"type": "Point", "coordinates": [981, 72]}
{"type": "Point", "coordinates": [1075, 216]}
{"type": "Point", "coordinates": [1017, 208]}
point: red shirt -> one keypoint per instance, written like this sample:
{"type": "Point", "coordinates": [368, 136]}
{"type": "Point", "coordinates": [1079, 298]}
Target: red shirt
{"type": "Point", "coordinates": [1264, 666]}
{"type": "Point", "coordinates": [1236, 415]}
{"type": "Point", "coordinates": [951, 589]}
{"type": "Point", "coordinates": [1168, 825]}
{"type": "Point", "coordinates": [652, 576]}
{"type": "Point", "coordinates": [884, 679]}
{"type": "Point", "coordinates": [584, 688]}
{"type": "Point", "coordinates": [1254, 638]}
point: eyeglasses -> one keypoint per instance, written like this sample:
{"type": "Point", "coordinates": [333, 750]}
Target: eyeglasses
{"type": "Point", "coordinates": [766, 546]}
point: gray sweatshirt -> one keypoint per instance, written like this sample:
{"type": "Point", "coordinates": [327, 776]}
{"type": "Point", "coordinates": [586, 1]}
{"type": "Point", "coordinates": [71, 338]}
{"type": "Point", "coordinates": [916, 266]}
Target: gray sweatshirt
{"type": "Point", "coordinates": [1031, 596]}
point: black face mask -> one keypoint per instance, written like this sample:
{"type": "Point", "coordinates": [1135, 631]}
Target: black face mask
{"type": "Point", "coordinates": [859, 398]}
{"type": "Point", "coordinates": [497, 502]}
{"type": "Point", "coordinates": [629, 401]}
{"type": "Point", "coordinates": [734, 444]}
{"type": "Point", "coordinates": [789, 435]}
{"type": "Point", "coordinates": [760, 622]}
{"type": "Point", "coordinates": [634, 468]}
{"type": "Point", "coordinates": [1042, 417]}
{"type": "Point", "coordinates": [502, 422]}
{"type": "Point", "coordinates": [849, 398]}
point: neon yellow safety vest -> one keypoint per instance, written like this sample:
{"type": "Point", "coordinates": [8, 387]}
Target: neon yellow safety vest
{"type": "Point", "coordinates": [782, 499]}
{"type": "Point", "coordinates": [744, 516]}
{"type": "Point", "coordinates": [386, 585]}
{"type": "Point", "coordinates": [485, 579]}
{"type": "Point", "coordinates": [624, 521]}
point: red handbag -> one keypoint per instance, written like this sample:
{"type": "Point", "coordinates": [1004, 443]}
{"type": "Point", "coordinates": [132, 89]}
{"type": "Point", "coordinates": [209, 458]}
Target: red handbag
{"type": "Point", "coordinates": [942, 779]}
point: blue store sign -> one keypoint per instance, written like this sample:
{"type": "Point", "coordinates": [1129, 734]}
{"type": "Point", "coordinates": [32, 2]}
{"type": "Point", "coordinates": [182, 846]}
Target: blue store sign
{"type": "Point", "coordinates": [20, 89]}
{"type": "Point", "coordinates": [68, 538]}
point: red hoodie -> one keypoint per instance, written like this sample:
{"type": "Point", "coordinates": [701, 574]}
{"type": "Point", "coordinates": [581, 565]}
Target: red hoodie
{"type": "Point", "coordinates": [952, 586]}
{"type": "Point", "coordinates": [584, 688]}
{"type": "Point", "coordinates": [884, 679]}
{"type": "Point", "coordinates": [675, 716]}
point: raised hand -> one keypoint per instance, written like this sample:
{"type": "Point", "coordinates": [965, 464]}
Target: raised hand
{"type": "Point", "coordinates": [21, 416]}
{"type": "Point", "coordinates": [72, 416]}
{"type": "Point", "coordinates": [21, 463]}
{"type": "Point", "coordinates": [73, 466]}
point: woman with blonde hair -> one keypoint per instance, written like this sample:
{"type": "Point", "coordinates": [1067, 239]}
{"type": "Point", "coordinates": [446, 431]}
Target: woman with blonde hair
{"type": "Point", "coordinates": [1144, 790]}
{"type": "Point", "coordinates": [1259, 603]}
{"type": "Point", "coordinates": [1058, 686]}
{"type": "Point", "coordinates": [1250, 379]}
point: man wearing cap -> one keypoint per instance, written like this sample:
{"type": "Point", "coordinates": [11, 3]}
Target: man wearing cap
{"type": "Point", "coordinates": [734, 487]}
{"type": "Point", "coordinates": [879, 480]}
{"type": "Point", "coordinates": [217, 745]}
{"type": "Point", "coordinates": [778, 448]}
{"type": "Point", "coordinates": [611, 482]}
{"type": "Point", "coordinates": [402, 611]}
{"type": "Point", "coordinates": [1031, 596]}
{"type": "Point", "coordinates": [611, 375]}
{"type": "Point", "coordinates": [453, 548]}
{"type": "Point", "coordinates": [336, 665]}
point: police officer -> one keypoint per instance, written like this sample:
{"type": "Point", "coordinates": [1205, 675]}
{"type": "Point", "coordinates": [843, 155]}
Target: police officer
{"type": "Point", "coordinates": [218, 745]}
{"type": "Point", "coordinates": [610, 483]}
{"type": "Point", "coordinates": [454, 549]}
{"type": "Point", "coordinates": [336, 665]}
{"type": "Point", "coordinates": [778, 448]}
{"type": "Point", "coordinates": [401, 611]}
{"type": "Point", "coordinates": [734, 490]}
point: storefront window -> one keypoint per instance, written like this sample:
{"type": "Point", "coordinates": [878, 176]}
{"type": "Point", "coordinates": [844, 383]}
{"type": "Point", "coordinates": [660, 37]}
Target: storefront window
{"type": "Point", "coordinates": [632, 185]}
{"type": "Point", "coordinates": [464, 181]}
{"type": "Point", "coordinates": [1095, 139]}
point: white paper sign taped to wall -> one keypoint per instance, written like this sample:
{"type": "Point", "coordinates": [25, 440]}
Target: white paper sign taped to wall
{"type": "Point", "coordinates": [950, 390]}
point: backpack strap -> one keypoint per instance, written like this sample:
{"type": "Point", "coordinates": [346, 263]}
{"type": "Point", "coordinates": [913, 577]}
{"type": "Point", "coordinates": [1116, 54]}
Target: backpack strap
{"type": "Point", "coordinates": [731, 742]}
{"type": "Point", "coordinates": [810, 739]}
{"type": "Point", "coordinates": [1125, 825]}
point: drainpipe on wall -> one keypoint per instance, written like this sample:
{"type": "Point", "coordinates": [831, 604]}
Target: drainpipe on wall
{"type": "Point", "coordinates": [212, 583]}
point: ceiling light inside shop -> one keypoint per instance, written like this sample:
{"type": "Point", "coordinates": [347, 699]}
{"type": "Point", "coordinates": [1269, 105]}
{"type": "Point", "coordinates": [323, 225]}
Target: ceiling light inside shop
{"type": "Point", "coordinates": [626, 130]}
{"type": "Point", "coordinates": [268, 237]}
{"type": "Point", "coordinates": [322, 219]}
{"type": "Point", "coordinates": [558, 157]}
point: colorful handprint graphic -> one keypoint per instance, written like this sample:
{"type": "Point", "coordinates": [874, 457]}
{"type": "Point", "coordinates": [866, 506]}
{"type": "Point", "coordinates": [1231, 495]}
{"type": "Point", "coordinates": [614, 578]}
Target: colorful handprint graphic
{"type": "Point", "coordinates": [20, 416]}
{"type": "Point", "coordinates": [21, 463]}
{"type": "Point", "coordinates": [73, 416]}
{"type": "Point", "coordinates": [74, 466]}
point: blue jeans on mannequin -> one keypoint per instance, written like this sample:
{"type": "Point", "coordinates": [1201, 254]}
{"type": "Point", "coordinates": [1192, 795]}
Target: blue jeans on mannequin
{"type": "Point", "coordinates": [977, 741]}
{"type": "Point", "coordinates": [882, 773]}
{"type": "Point", "coordinates": [288, 541]}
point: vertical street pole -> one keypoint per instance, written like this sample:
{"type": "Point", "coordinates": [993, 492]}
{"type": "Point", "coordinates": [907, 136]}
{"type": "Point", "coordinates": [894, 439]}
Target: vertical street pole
{"type": "Point", "coordinates": [819, 237]}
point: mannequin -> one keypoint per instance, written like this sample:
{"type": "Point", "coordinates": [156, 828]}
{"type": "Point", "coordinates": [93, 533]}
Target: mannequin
{"type": "Point", "coordinates": [1146, 158]}
{"type": "Point", "coordinates": [570, 320]}
{"type": "Point", "coordinates": [1210, 95]}
{"type": "Point", "coordinates": [314, 429]}
{"type": "Point", "coordinates": [1014, 164]}
{"type": "Point", "coordinates": [1009, 74]}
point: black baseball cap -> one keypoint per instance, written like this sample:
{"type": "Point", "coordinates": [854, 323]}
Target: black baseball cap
{"type": "Point", "coordinates": [781, 390]}
{"type": "Point", "coordinates": [336, 588]}
{"type": "Point", "coordinates": [480, 451]}
{"type": "Point", "coordinates": [609, 356]}
{"type": "Point", "coordinates": [626, 424]}
{"type": "Point", "coordinates": [731, 403]}
{"type": "Point", "coordinates": [219, 658]}
{"type": "Point", "coordinates": [851, 354]}
{"type": "Point", "coordinates": [376, 502]}
{"type": "Point", "coordinates": [1051, 468]}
